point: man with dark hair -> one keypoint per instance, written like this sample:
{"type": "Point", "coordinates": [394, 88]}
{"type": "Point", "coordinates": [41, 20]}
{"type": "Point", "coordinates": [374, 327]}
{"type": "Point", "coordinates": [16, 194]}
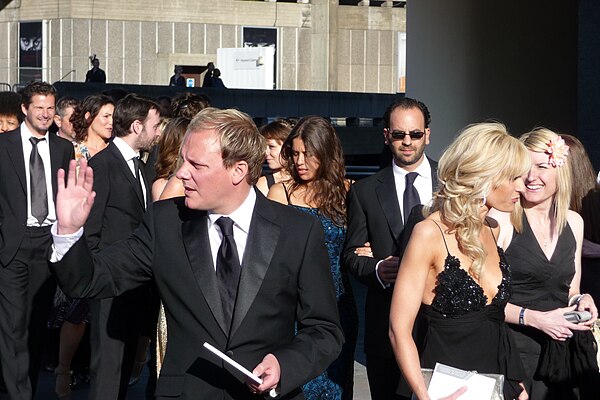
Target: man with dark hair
{"type": "Point", "coordinates": [62, 119]}
{"type": "Point", "coordinates": [240, 272]}
{"type": "Point", "coordinates": [29, 160]}
{"type": "Point", "coordinates": [378, 211]}
{"type": "Point", "coordinates": [122, 185]}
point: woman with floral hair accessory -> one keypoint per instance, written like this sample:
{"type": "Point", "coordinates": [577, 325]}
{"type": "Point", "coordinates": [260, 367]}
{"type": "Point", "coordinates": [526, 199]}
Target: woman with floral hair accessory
{"type": "Point", "coordinates": [543, 243]}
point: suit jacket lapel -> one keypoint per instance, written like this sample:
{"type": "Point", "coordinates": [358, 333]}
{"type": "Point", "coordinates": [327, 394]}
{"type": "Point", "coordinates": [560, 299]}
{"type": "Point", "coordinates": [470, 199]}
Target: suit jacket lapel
{"type": "Point", "coordinates": [56, 160]}
{"type": "Point", "coordinates": [197, 246]}
{"type": "Point", "coordinates": [388, 199]}
{"type": "Point", "coordinates": [260, 247]}
{"type": "Point", "coordinates": [434, 179]}
{"type": "Point", "coordinates": [15, 153]}
{"type": "Point", "coordinates": [124, 168]}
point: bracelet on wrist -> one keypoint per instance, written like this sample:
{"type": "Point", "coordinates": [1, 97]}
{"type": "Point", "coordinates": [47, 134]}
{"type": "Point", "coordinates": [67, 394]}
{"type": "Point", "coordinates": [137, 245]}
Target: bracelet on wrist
{"type": "Point", "coordinates": [522, 316]}
{"type": "Point", "coordinates": [574, 300]}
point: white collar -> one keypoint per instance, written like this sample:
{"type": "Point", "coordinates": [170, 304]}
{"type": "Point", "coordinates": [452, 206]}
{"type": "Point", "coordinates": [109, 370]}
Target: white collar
{"type": "Point", "coordinates": [26, 133]}
{"type": "Point", "coordinates": [126, 150]}
{"type": "Point", "coordinates": [242, 216]}
{"type": "Point", "coordinates": [424, 169]}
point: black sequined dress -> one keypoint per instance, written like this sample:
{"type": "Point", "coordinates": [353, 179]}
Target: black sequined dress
{"type": "Point", "coordinates": [466, 332]}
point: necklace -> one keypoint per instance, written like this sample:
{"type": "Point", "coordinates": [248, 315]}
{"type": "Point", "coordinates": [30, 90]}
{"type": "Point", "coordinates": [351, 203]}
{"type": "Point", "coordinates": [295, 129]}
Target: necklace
{"type": "Point", "coordinates": [546, 239]}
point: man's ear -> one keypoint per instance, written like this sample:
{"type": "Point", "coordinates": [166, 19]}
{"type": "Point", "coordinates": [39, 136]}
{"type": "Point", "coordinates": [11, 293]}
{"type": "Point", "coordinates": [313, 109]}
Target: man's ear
{"type": "Point", "coordinates": [57, 120]}
{"type": "Point", "coordinates": [385, 139]}
{"type": "Point", "coordinates": [135, 127]}
{"type": "Point", "coordinates": [239, 171]}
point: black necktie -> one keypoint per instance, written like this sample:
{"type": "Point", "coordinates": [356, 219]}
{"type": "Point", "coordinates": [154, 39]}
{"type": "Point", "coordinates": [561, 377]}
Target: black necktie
{"type": "Point", "coordinates": [139, 175]}
{"type": "Point", "coordinates": [228, 268]}
{"type": "Point", "coordinates": [411, 196]}
{"type": "Point", "coordinates": [39, 192]}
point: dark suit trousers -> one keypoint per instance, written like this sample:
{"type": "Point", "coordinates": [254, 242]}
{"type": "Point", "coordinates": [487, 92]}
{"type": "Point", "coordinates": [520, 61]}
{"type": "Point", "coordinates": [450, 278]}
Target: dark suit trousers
{"type": "Point", "coordinates": [26, 295]}
{"type": "Point", "coordinates": [115, 329]}
{"type": "Point", "coordinates": [384, 375]}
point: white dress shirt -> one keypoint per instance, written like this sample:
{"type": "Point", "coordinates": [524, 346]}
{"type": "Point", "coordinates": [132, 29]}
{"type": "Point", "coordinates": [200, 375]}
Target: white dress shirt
{"type": "Point", "coordinates": [241, 225]}
{"type": "Point", "coordinates": [422, 183]}
{"type": "Point", "coordinates": [129, 154]}
{"type": "Point", "coordinates": [44, 152]}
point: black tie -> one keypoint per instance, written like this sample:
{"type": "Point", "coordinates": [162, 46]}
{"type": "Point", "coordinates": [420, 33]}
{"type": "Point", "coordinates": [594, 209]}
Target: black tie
{"type": "Point", "coordinates": [39, 192]}
{"type": "Point", "coordinates": [411, 196]}
{"type": "Point", "coordinates": [139, 175]}
{"type": "Point", "coordinates": [228, 268]}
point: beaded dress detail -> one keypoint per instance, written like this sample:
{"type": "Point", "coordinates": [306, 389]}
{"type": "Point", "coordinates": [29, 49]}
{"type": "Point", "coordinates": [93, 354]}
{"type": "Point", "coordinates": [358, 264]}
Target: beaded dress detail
{"type": "Point", "coordinates": [466, 332]}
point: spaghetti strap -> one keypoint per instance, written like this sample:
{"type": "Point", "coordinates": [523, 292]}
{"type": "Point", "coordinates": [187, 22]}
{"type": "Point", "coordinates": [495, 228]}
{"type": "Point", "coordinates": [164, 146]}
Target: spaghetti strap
{"type": "Point", "coordinates": [270, 180]}
{"type": "Point", "coordinates": [287, 195]}
{"type": "Point", "coordinates": [443, 238]}
{"type": "Point", "coordinates": [491, 230]}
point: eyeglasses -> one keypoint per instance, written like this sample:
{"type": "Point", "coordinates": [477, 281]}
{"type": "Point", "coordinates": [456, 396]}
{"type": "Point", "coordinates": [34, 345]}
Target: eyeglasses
{"type": "Point", "coordinates": [414, 135]}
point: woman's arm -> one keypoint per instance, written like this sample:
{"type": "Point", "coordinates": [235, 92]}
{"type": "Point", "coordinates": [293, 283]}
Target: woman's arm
{"type": "Point", "coordinates": [409, 290]}
{"type": "Point", "coordinates": [585, 302]}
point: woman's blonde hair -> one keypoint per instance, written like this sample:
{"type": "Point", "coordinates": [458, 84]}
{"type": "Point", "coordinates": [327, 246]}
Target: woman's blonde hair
{"type": "Point", "coordinates": [537, 141]}
{"type": "Point", "coordinates": [480, 159]}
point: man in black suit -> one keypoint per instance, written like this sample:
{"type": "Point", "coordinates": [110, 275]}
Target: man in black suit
{"type": "Point", "coordinates": [247, 275]}
{"type": "Point", "coordinates": [378, 209]}
{"type": "Point", "coordinates": [29, 160]}
{"type": "Point", "coordinates": [123, 193]}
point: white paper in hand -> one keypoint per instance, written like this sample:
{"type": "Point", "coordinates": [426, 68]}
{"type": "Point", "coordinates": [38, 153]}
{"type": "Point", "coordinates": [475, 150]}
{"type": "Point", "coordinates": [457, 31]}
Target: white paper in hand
{"type": "Point", "coordinates": [447, 380]}
{"type": "Point", "coordinates": [233, 363]}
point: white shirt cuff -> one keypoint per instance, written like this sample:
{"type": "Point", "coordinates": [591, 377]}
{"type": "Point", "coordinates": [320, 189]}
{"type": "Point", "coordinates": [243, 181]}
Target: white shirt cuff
{"type": "Point", "coordinates": [383, 285]}
{"type": "Point", "coordinates": [61, 244]}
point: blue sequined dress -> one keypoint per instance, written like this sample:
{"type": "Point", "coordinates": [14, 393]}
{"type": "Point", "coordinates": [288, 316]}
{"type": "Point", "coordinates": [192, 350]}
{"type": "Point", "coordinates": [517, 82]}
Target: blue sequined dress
{"type": "Point", "coordinates": [466, 332]}
{"type": "Point", "coordinates": [338, 380]}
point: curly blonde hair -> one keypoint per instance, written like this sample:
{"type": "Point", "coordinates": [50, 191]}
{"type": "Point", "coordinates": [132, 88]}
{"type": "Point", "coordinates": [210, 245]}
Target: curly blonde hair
{"type": "Point", "coordinates": [480, 159]}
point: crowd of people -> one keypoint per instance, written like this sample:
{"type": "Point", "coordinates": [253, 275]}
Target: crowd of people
{"type": "Point", "coordinates": [151, 225]}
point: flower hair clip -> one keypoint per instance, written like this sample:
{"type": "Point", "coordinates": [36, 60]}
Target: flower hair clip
{"type": "Point", "coordinates": [557, 152]}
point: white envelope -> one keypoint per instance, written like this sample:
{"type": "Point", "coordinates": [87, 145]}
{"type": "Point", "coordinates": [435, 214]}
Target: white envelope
{"type": "Point", "coordinates": [446, 380]}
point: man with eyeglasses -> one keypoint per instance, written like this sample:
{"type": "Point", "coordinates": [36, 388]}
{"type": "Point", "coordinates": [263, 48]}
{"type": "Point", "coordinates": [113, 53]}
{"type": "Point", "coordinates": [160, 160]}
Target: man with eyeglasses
{"type": "Point", "coordinates": [378, 211]}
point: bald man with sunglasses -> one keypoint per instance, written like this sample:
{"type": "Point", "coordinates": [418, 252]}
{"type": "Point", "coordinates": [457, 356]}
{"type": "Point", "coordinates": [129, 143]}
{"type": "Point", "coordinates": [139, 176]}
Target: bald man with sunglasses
{"type": "Point", "coordinates": [378, 211]}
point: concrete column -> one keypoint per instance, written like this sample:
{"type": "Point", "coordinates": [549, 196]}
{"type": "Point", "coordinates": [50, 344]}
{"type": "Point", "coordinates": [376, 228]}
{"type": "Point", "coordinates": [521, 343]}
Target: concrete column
{"type": "Point", "coordinates": [471, 61]}
{"type": "Point", "coordinates": [323, 43]}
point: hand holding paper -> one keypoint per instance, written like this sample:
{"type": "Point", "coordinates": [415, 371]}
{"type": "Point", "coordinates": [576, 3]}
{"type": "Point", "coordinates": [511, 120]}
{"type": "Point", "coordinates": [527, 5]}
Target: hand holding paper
{"type": "Point", "coordinates": [448, 383]}
{"type": "Point", "coordinates": [270, 373]}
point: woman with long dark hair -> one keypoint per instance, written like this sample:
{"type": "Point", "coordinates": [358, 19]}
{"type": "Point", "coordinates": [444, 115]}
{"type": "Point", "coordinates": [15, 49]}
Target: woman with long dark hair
{"type": "Point", "coordinates": [312, 155]}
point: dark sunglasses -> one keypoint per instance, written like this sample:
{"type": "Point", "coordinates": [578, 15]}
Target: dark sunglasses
{"type": "Point", "coordinates": [414, 135]}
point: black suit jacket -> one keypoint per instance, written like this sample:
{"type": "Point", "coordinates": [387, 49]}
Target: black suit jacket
{"type": "Point", "coordinates": [374, 216]}
{"type": "Point", "coordinates": [285, 283]}
{"type": "Point", "coordinates": [119, 204]}
{"type": "Point", "coordinates": [13, 187]}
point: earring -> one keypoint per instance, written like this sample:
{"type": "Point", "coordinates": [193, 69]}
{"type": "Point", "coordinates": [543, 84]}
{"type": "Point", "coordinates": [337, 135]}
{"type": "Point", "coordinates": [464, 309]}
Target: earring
{"type": "Point", "coordinates": [483, 201]}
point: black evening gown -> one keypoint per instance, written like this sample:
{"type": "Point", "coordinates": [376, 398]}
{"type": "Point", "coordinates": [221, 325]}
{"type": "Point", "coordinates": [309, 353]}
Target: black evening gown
{"type": "Point", "coordinates": [543, 285]}
{"type": "Point", "coordinates": [466, 332]}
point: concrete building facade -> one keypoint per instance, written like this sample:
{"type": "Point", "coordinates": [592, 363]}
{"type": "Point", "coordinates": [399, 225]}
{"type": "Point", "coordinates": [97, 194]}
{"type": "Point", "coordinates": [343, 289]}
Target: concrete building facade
{"type": "Point", "coordinates": [321, 45]}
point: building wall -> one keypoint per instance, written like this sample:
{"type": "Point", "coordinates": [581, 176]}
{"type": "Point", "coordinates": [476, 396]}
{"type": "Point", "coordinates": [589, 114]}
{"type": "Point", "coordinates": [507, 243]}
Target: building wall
{"type": "Point", "coordinates": [321, 45]}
